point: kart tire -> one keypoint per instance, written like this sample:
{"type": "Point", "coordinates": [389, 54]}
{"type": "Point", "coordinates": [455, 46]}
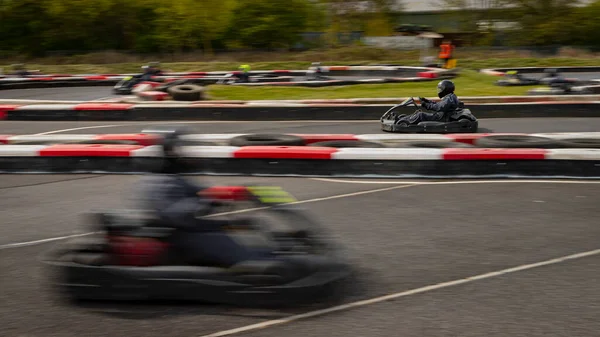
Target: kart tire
{"type": "Point", "coordinates": [186, 92]}
{"type": "Point", "coordinates": [581, 143]}
{"type": "Point", "coordinates": [266, 139]}
{"type": "Point", "coordinates": [517, 141]}
{"type": "Point", "coordinates": [348, 143]}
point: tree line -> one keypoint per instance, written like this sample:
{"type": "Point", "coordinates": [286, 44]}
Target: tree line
{"type": "Point", "coordinates": [35, 26]}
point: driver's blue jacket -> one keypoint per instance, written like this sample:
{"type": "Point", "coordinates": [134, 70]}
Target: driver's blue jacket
{"type": "Point", "coordinates": [446, 105]}
{"type": "Point", "coordinates": [174, 200]}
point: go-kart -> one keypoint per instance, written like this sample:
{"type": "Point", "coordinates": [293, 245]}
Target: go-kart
{"type": "Point", "coordinates": [125, 86]}
{"type": "Point", "coordinates": [513, 78]}
{"type": "Point", "coordinates": [134, 258]}
{"type": "Point", "coordinates": [460, 121]}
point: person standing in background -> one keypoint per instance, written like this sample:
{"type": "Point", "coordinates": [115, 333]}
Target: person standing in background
{"type": "Point", "coordinates": [446, 50]}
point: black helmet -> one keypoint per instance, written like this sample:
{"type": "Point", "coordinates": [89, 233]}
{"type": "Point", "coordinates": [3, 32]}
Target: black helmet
{"type": "Point", "coordinates": [172, 142]}
{"type": "Point", "coordinates": [445, 87]}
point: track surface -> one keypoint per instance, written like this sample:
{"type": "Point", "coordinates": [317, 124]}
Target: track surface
{"type": "Point", "coordinates": [402, 238]}
{"type": "Point", "coordinates": [518, 125]}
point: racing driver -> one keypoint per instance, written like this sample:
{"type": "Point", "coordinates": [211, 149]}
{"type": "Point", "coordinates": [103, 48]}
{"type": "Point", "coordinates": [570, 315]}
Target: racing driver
{"type": "Point", "coordinates": [177, 201]}
{"type": "Point", "coordinates": [440, 110]}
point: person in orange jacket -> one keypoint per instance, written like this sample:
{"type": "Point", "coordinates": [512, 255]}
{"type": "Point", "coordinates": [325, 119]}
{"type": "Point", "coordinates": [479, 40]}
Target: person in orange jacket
{"type": "Point", "coordinates": [446, 49]}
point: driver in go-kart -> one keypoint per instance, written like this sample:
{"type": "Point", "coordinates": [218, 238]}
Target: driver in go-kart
{"type": "Point", "coordinates": [440, 110]}
{"type": "Point", "coordinates": [178, 201]}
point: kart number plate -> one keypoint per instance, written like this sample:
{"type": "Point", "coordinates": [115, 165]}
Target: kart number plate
{"type": "Point", "coordinates": [271, 194]}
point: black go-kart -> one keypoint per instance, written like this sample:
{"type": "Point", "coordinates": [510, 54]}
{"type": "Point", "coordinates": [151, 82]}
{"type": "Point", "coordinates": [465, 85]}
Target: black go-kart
{"type": "Point", "coordinates": [133, 258]}
{"type": "Point", "coordinates": [460, 121]}
{"type": "Point", "coordinates": [512, 78]}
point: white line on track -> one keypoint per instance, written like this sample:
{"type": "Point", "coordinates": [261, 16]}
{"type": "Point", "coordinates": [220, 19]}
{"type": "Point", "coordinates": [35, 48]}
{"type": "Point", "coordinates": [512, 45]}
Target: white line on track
{"type": "Point", "coordinates": [339, 196]}
{"type": "Point", "coordinates": [397, 295]}
{"type": "Point", "coordinates": [454, 182]}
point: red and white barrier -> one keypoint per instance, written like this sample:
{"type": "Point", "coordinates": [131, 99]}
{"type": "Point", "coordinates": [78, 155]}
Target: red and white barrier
{"type": "Point", "coordinates": [149, 139]}
{"type": "Point", "coordinates": [301, 152]}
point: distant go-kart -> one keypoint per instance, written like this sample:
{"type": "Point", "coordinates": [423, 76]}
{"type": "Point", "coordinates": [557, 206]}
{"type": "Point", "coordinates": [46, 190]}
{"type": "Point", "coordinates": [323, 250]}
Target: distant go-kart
{"type": "Point", "coordinates": [460, 121]}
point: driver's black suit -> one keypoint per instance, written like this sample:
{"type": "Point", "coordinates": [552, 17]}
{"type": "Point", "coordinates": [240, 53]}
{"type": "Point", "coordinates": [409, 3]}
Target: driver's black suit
{"type": "Point", "coordinates": [175, 201]}
{"type": "Point", "coordinates": [440, 110]}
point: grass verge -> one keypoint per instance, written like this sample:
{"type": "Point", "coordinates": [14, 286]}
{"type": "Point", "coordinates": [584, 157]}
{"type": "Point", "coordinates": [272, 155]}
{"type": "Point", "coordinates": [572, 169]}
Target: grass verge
{"type": "Point", "coordinates": [469, 83]}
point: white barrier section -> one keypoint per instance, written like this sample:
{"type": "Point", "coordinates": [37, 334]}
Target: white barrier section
{"type": "Point", "coordinates": [147, 151]}
{"type": "Point", "coordinates": [573, 154]}
{"type": "Point", "coordinates": [402, 137]}
{"type": "Point", "coordinates": [21, 150]}
{"type": "Point", "coordinates": [209, 151]}
{"type": "Point", "coordinates": [47, 107]}
{"type": "Point", "coordinates": [569, 135]}
{"type": "Point", "coordinates": [387, 154]}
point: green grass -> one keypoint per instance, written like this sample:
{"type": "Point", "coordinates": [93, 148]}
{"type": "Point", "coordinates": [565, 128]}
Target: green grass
{"type": "Point", "coordinates": [469, 83]}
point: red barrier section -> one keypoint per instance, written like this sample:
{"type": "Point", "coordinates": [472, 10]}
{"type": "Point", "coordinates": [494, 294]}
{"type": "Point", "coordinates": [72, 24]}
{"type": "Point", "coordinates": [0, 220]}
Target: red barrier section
{"type": "Point", "coordinates": [140, 138]}
{"type": "Point", "coordinates": [427, 74]}
{"type": "Point", "coordinates": [281, 71]}
{"type": "Point", "coordinates": [313, 138]}
{"type": "Point", "coordinates": [4, 139]}
{"type": "Point", "coordinates": [156, 96]}
{"type": "Point", "coordinates": [103, 106]}
{"type": "Point", "coordinates": [4, 109]}
{"type": "Point", "coordinates": [284, 152]}
{"type": "Point", "coordinates": [96, 78]}
{"type": "Point", "coordinates": [494, 154]}
{"type": "Point", "coordinates": [91, 150]}
{"type": "Point", "coordinates": [338, 68]}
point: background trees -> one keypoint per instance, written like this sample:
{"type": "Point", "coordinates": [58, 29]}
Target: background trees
{"type": "Point", "coordinates": [36, 26]}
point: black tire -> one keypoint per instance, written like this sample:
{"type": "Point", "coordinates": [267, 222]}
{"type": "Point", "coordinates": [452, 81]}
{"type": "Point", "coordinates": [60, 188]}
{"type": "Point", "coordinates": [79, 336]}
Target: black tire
{"type": "Point", "coordinates": [266, 139]}
{"type": "Point", "coordinates": [581, 143]}
{"type": "Point", "coordinates": [105, 141]}
{"type": "Point", "coordinates": [348, 143]}
{"type": "Point", "coordinates": [186, 92]}
{"type": "Point", "coordinates": [199, 143]}
{"type": "Point", "coordinates": [438, 145]}
{"type": "Point", "coordinates": [517, 141]}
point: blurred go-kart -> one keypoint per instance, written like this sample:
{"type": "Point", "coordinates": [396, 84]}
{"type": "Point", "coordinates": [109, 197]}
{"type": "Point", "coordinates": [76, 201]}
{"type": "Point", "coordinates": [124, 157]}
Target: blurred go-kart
{"type": "Point", "coordinates": [134, 257]}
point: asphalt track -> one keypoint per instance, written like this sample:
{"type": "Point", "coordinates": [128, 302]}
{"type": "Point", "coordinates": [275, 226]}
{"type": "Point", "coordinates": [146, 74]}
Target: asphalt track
{"type": "Point", "coordinates": [510, 125]}
{"type": "Point", "coordinates": [402, 236]}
